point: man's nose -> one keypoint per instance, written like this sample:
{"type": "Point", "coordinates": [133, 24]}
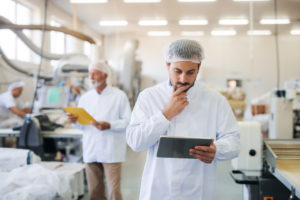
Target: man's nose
{"type": "Point", "coordinates": [183, 78]}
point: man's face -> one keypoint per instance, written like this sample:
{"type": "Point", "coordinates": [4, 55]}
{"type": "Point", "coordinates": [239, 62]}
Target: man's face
{"type": "Point", "coordinates": [17, 92]}
{"type": "Point", "coordinates": [183, 73]}
{"type": "Point", "coordinates": [97, 77]}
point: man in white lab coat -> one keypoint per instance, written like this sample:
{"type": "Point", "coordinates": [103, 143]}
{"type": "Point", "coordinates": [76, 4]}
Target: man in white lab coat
{"type": "Point", "coordinates": [104, 143]}
{"type": "Point", "coordinates": [9, 105]}
{"type": "Point", "coordinates": [182, 106]}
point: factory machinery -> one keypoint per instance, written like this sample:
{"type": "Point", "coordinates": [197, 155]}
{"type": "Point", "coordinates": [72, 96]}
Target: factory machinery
{"type": "Point", "coordinates": [269, 169]}
{"type": "Point", "coordinates": [67, 82]}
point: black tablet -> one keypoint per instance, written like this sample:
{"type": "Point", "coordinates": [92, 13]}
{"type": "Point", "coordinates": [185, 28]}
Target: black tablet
{"type": "Point", "coordinates": [178, 147]}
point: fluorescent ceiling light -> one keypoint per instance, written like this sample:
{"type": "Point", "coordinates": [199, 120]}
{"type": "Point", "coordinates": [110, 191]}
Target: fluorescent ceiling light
{"type": "Point", "coordinates": [251, 0]}
{"type": "Point", "coordinates": [153, 22]}
{"type": "Point", "coordinates": [233, 21]}
{"type": "Point", "coordinates": [141, 1]}
{"type": "Point", "coordinates": [275, 21]}
{"type": "Point", "coordinates": [223, 32]}
{"type": "Point", "coordinates": [113, 23]}
{"type": "Point", "coordinates": [192, 1]}
{"type": "Point", "coordinates": [88, 1]}
{"type": "Point", "coordinates": [259, 32]}
{"type": "Point", "coordinates": [193, 22]}
{"type": "Point", "coordinates": [159, 33]}
{"type": "Point", "coordinates": [295, 32]}
{"type": "Point", "coordinates": [192, 33]}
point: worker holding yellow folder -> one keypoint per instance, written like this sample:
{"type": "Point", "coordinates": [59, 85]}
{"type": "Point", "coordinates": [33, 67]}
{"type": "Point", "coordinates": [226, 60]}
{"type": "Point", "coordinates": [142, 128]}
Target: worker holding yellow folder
{"type": "Point", "coordinates": [103, 114]}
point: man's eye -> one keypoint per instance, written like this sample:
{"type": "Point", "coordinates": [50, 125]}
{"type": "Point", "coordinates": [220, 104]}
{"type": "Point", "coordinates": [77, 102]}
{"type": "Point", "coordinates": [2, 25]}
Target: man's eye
{"type": "Point", "coordinates": [190, 73]}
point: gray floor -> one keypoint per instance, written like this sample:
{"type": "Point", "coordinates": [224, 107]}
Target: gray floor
{"type": "Point", "coordinates": [133, 168]}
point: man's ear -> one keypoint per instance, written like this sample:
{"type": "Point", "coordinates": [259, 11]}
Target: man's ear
{"type": "Point", "coordinates": [168, 65]}
{"type": "Point", "coordinates": [199, 65]}
{"type": "Point", "coordinates": [105, 75]}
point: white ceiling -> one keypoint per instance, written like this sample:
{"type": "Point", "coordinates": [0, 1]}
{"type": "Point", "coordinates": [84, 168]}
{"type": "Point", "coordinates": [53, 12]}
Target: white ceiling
{"type": "Point", "coordinates": [173, 11]}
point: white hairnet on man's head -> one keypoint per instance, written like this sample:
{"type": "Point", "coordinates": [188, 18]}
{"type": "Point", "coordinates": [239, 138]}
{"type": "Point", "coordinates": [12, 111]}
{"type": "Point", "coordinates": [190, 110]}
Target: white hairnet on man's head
{"type": "Point", "coordinates": [103, 67]}
{"type": "Point", "coordinates": [15, 85]}
{"type": "Point", "coordinates": [100, 66]}
{"type": "Point", "coordinates": [184, 50]}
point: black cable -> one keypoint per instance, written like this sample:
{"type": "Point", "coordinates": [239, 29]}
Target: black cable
{"type": "Point", "coordinates": [277, 46]}
{"type": "Point", "coordinates": [41, 55]}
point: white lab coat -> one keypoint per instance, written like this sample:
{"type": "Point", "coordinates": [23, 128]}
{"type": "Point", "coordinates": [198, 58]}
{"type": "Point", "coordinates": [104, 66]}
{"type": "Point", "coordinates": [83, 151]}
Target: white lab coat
{"type": "Point", "coordinates": [108, 146]}
{"type": "Point", "coordinates": [6, 101]}
{"type": "Point", "coordinates": [208, 114]}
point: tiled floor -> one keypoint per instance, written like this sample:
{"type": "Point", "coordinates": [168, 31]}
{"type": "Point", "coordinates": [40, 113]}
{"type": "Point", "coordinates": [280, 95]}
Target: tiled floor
{"type": "Point", "coordinates": [133, 168]}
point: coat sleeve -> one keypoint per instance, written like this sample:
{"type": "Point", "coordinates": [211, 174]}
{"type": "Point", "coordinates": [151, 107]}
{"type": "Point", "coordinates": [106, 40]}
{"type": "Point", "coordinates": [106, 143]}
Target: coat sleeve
{"type": "Point", "coordinates": [124, 115]}
{"type": "Point", "coordinates": [228, 134]}
{"type": "Point", "coordinates": [145, 128]}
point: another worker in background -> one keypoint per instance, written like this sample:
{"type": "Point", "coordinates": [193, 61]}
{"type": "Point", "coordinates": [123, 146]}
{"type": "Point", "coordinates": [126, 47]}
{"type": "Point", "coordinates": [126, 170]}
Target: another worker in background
{"type": "Point", "coordinates": [9, 104]}
{"type": "Point", "coordinates": [182, 106]}
{"type": "Point", "coordinates": [104, 143]}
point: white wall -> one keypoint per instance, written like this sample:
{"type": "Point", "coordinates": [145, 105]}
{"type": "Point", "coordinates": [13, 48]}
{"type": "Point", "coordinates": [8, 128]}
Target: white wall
{"type": "Point", "coordinates": [225, 57]}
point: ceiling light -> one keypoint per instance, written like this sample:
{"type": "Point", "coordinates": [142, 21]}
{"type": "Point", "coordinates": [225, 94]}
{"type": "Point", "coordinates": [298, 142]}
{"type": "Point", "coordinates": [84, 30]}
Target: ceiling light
{"type": "Point", "coordinates": [233, 21]}
{"type": "Point", "coordinates": [259, 32]}
{"type": "Point", "coordinates": [192, 33]}
{"type": "Point", "coordinates": [88, 1]}
{"type": "Point", "coordinates": [153, 22]}
{"type": "Point", "coordinates": [295, 32]}
{"type": "Point", "coordinates": [141, 1]}
{"type": "Point", "coordinates": [275, 21]}
{"type": "Point", "coordinates": [250, 0]}
{"type": "Point", "coordinates": [194, 1]}
{"type": "Point", "coordinates": [193, 22]}
{"type": "Point", "coordinates": [113, 23]}
{"type": "Point", "coordinates": [223, 32]}
{"type": "Point", "coordinates": [159, 33]}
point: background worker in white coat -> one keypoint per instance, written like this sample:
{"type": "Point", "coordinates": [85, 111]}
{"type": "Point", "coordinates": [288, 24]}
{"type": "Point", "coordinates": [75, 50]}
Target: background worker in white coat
{"type": "Point", "coordinates": [9, 104]}
{"type": "Point", "coordinates": [104, 143]}
{"type": "Point", "coordinates": [182, 106]}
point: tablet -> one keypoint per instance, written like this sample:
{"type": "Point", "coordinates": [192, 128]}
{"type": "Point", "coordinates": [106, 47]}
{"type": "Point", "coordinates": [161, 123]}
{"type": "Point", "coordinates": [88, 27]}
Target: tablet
{"type": "Point", "coordinates": [178, 147]}
{"type": "Point", "coordinates": [84, 118]}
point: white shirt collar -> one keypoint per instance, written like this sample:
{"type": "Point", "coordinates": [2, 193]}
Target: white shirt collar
{"type": "Point", "coordinates": [105, 91]}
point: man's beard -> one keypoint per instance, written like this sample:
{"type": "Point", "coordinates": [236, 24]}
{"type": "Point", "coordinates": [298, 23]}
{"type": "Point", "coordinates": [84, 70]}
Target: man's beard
{"type": "Point", "coordinates": [182, 84]}
{"type": "Point", "coordinates": [96, 84]}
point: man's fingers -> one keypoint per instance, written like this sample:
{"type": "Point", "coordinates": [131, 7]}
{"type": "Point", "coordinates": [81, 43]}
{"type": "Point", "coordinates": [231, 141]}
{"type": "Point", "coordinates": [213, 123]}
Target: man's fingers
{"type": "Point", "coordinates": [202, 158]}
{"type": "Point", "coordinates": [181, 89]}
{"type": "Point", "coordinates": [204, 148]}
{"type": "Point", "coordinates": [95, 123]}
{"type": "Point", "coordinates": [202, 153]}
{"type": "Point", "coordinates": [183, 94]}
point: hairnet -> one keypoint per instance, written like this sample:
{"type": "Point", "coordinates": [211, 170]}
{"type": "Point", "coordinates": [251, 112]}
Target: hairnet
{"type": "Point", "coordinates": [15, 85]}
{"type": "Point", "coordinates": [184, 50]}
{"type": "Point", "coordinates": [100, 66]}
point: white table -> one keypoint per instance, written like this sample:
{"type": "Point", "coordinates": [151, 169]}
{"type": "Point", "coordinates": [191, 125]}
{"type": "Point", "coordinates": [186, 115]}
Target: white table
{"type": "Point", "coordinates": [57, 133]}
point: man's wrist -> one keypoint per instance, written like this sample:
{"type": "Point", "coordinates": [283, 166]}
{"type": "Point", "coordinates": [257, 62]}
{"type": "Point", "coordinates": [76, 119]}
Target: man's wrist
{"type": "Point", "coordinates": [167, 115]}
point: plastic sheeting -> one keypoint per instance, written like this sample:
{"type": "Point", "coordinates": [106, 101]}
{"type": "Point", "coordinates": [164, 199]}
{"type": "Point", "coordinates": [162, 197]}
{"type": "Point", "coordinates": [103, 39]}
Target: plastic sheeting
{"type": "Point", "coordinates": [34, 182]}
{"type": "Point", "coordinates": [13, 158]}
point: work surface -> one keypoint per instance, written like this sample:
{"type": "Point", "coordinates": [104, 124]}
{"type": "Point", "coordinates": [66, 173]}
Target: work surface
{"type": "Point", "coordinates": [57, 133]}
{"type": "Point", "coordinates": [288, 172]}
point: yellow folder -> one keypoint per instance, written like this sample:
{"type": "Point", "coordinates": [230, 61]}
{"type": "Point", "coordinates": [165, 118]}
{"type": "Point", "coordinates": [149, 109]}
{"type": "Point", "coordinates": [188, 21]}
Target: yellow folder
{"type": "Point", "coordinates": [84, 118]}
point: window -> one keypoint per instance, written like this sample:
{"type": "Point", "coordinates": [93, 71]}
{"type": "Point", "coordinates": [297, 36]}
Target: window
{"type": "Point", "coordinates": [13, 47]}
{"type": "Point", "coordinates": [87, 48]}
{"type": "Point", "coordinates": [57, 40]}
{"type": "Point", "coordinates": [23, 17]}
